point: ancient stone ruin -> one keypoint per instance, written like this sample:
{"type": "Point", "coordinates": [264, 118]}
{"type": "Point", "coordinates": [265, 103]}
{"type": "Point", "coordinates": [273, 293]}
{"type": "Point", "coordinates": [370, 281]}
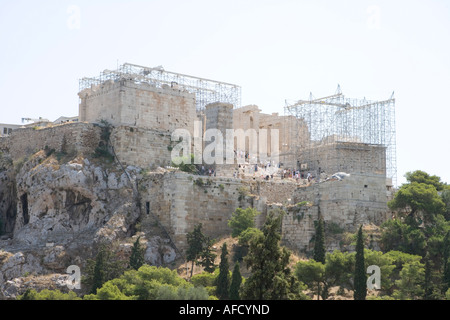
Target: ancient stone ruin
{"type": "Point", "coordinates": [332, 158]}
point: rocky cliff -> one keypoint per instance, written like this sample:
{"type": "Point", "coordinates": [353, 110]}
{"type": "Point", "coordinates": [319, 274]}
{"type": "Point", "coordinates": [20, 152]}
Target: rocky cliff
{"type": "Point", "coordinates": [55, 211]}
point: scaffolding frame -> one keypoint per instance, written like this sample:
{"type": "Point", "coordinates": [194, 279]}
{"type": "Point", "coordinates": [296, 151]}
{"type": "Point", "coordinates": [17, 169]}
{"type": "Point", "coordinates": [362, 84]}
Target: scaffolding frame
{"type": "Point", "coordinates": [337, 119]}
{"type": "Point", "coordinates": [206, 91]}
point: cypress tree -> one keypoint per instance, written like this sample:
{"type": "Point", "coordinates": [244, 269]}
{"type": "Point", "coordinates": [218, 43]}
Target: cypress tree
{"type": "Point", "coordinates": [99, 271]}
{"type": "Point", "coordinates": [319, 245]}
{"type": "Point", "coordinates": [207, 256]}
{"type": "Point", "coordinates": [137, 255]}
{"type": "Point", "coordinates": [236, 280]}
{"type": "Point", "coordinates": [360, 277]}
{"type": "Point", "coordinates": [223, 279]}
{"type": "Point", "coordinates": [195, 240]}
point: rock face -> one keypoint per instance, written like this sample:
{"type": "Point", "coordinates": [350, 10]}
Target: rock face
{"type": "Point", "coordinates": [54, 213]}
{"type": "Point", "coordinates": [71, 202]}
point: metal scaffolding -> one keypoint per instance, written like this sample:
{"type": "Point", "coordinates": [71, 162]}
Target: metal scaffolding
{"type": "Point", "coordinates": [206, 91]}
{"type": "Point", "coordinates": [337, 119]}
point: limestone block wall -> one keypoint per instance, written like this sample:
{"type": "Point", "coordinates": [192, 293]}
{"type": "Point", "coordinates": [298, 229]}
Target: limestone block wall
{"type": "Point", "coordinates": [356, 200]}
{"type": "Point", "coordinates": [82, 138]}
{"type": "Point", "coordinates": [293, 133]}
{"type": "Point", "coordinates": [142, 105]}
{"type": "Point", "coordinates": [298, 228]}
{"type": "Point", "coordinates": [219, 116]}
{"type": "Point", "coordinates": [180, 202]}
{"type": "Point", "coordinates": [142, 147]}
{"type": "Point", "coordinates": [101, 103]}
{"type": "Point", "coordinates": [246, 117]}
{"type": "Point", "coordinates": [275, 191]}
{"type": "Point", "coordinates": [350, 157]}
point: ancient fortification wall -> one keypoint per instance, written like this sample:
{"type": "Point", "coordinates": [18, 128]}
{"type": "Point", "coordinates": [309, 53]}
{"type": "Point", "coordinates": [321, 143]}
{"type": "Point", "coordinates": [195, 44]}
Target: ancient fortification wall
{"type": "Point", "coordinates": [143, 117]}
{"type": "Point", "coordinates": [73, 138]}
{"type": "Point", "coordinates": [140, 105]}
{"type": "Point", "coordinates": [142, 147]}
{"type": "Point", "coordinates": [355, 200]}
{"type": "Point", "coordinates": [180, 201]}
{"type": "Point", "coordinates": [349, 157]}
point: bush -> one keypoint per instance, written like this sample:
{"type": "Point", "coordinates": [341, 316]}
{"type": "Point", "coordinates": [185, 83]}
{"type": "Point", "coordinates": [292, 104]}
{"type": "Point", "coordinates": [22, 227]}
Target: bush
{"type": "Point", "coordinates": [150, 283]}
{"type": "Point", "coordinates": [241, 220]}
{"type": "Point", "coordinates": [46, 294]}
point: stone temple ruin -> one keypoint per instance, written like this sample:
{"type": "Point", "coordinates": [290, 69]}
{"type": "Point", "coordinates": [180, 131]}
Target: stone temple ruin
{"type": "Point", "coordinates": [338, 154]}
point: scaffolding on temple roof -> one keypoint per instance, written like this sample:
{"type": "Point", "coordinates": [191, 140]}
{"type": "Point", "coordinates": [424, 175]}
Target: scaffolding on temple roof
{"type": "Point", "coordinates": [206, 91]}
{"type": "Point", "coordinates": [347, 121]}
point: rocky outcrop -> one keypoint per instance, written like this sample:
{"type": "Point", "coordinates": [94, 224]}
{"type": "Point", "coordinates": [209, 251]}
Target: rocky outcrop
{"type": "Point", "coordinates": [55, 213]}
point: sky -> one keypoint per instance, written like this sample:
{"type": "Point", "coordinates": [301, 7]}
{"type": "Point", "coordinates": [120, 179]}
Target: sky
{"type": "Point", "coordinates": [275, 50]}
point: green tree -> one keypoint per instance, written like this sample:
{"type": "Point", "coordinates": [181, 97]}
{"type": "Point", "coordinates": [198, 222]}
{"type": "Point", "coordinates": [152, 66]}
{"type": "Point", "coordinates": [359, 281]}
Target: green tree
{"type": "Point", "coordinates": [312, 273]}
{"type": "Point", "coordinates": [106, 266]}
{"type": "Point", "coordinates": [394, 236]}
{"type": "Point", "coordinates": [149, 283]}
{"type": "Point", "coordinates": [242, 219]}
{"type": "Point", "coordinates": [244, 240]}
{"type": "Point", "coordinates": [338, 270]}
{"type": "Point", "coordinates": [418, 198]}
{"type": "Point", "coordinates": [445, 196]}
{"type": "Point", "coordinates": [427, 284]}
{"type": "Point", "coordinates": [223, 280]}
{"type": "Point", "coordinates": [421, 224]}
{"type": "Point", "coordinates": [109, 291]}
{"type": "Point", "coordinates": [319, 244]}
{"type": "Point", "coordinates": [195, 241]}
{"type": "Point", "coordinates": [236, 281]}
{"type": "Point", "coordinates": [446, 263]}
{"type": "Point", "coordinates": [99, 276]}
{"type": "Point", "coordinates": [137, 255]}
{"type": "Point", "coordinates": [207, 256]}
{"type": "Point", "coordinates": [204, 279]}
{"type": "Point", "coordinates": [247, 235]}
{"type": "Point", "coordinates": [410, 285]}
{"type": "Point", "coordinates": [46, 294]}
{"type": "Point", "coordinates": [360, 277]}
{"type": "Point", "coordinates": [423, 177]}
{"type": "Point", "coordinates": [372, 257]}
{"type": "Point", "coordinates": [270, 279]}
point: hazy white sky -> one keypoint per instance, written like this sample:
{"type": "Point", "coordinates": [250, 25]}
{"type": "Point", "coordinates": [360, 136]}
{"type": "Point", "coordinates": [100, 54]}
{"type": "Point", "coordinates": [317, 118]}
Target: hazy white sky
{"type": "Point", "coordinates": [275, 50]}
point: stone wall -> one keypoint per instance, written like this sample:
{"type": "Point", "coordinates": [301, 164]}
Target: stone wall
{"type": "Point", "coordinates": [180, 201]}
{"type": "Point", "coordinates": [141, 105]}
{"type": "Point", "coordinates": [133, 146]}
{"type": "Point", "coordinates": [355, 200]}
{"type": "Point", "coordinates": [349, 157]}
{"type": "Point", "coordinates": [293, 133]}
{"type": "Point", "coordinates": [142, 147]}
{"type": "Point", "coordinates": [219, 116]}
{"type": "Point", "coordinates": [276, 191]}
{"type": "Point", "coordinates": [290, 130]}
{"type": "Point", "coordinates": [73, 138]}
